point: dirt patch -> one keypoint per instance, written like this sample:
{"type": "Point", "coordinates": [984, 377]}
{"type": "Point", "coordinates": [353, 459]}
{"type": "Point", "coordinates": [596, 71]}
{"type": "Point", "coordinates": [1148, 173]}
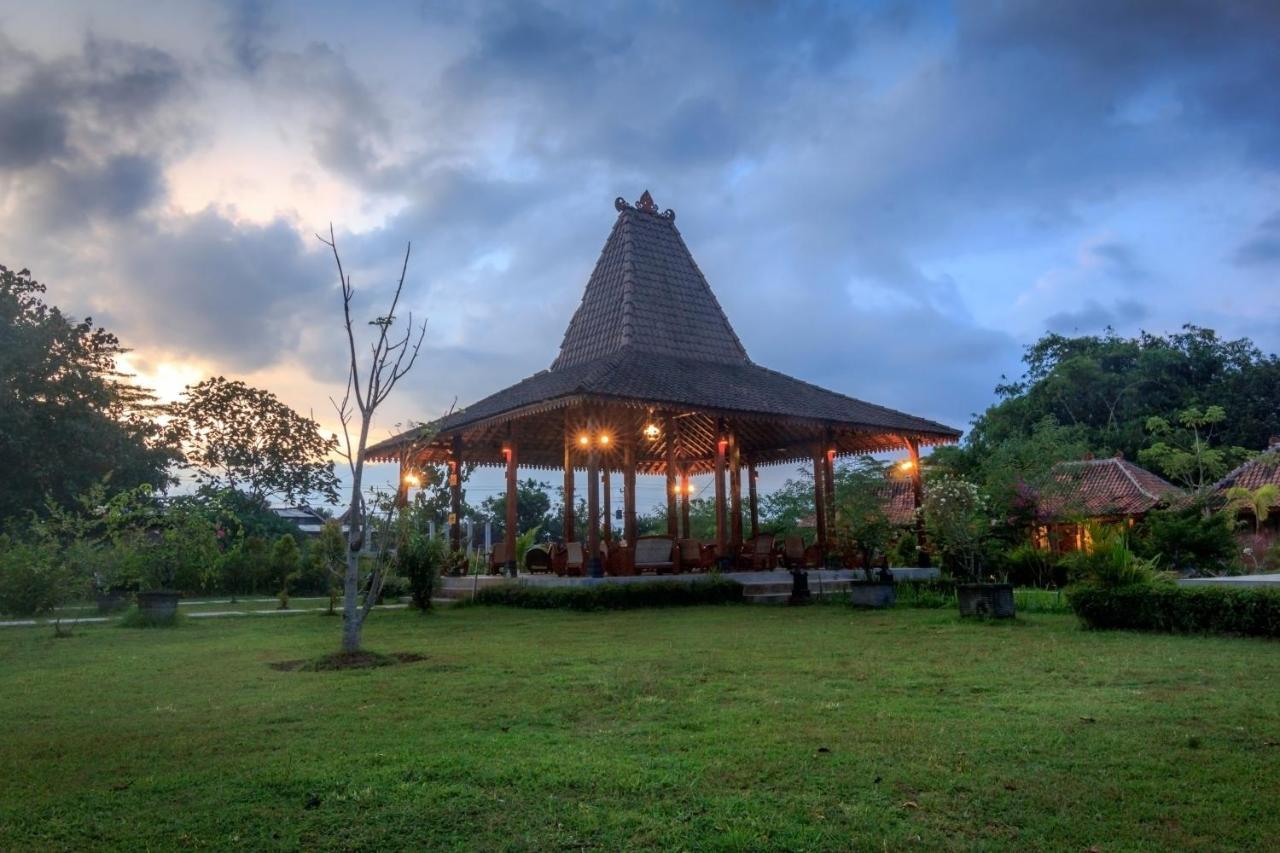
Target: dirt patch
{"type": "Point", "coordinates": [344, 660]}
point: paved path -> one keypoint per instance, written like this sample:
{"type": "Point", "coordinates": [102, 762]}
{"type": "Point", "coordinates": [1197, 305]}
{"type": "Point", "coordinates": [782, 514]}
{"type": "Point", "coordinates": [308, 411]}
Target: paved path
{"type": "Point", "coordinates": [1237, 581]}
{"type": "Point", "coordinates": [206, 614]}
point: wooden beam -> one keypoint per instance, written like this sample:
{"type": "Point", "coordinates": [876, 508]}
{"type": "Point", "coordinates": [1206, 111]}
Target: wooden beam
{"type": "Point", "coordinates": [722, 532]}
{"type": "Point", "coordinates": [820, 504]}
{"type": "Point", "coordinates": [593, 501]}
{"type": "Point", "coordinates": [685, 489]}
{"type": "Point", "coordinates": [513, 502]}
{"type": "Point", "coordinates": [455, 494]}
{"type": "Point", "coordinates": [829, 480]}
{"type": "Point", "coordinates": [570, 443]}
{"type": "Point", "coordinates": [606, 502]}
{"type": "Point", "coordinates": [629, 497]}
{"type": "Point", "coordinates": [917, 497]}
{"type": "Point", "coordinates": [735, 494]}
{"type": "Point", "coordinates": [753, 500]}
{"type": "Point", "coordinates": [670, 471]}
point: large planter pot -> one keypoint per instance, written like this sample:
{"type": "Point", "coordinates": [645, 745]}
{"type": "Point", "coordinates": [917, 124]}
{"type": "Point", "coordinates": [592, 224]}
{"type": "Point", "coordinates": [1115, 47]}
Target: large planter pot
{"type": "Point", "coordinates": [872, 594]}
{"type": "Point", "coordinates": [112, 600]}
{"type": "Point", "coordinates": [993, 600]}
{"type": "Point", "coordinates": [159, 607]}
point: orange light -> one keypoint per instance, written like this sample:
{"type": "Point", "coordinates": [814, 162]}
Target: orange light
{"type": "Point", "coordinates": [689, 488]}
{"type": "Point", "coordinates": [604, 439]}
{"type": "Point", "coordinates": [831, 453]}
{"type": "Point", "coordinates": [905, 465]}
{"type": "Point", "coordinates": [584, 439]}
{"type": "Point", "coordinates": [412, 480]}
{"type": "Point", "coordinates": [652, 432]}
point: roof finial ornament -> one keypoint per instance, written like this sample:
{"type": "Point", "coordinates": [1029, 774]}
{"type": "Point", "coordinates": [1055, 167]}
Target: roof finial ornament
{"type": "Point", "coordinates": [645, 204]}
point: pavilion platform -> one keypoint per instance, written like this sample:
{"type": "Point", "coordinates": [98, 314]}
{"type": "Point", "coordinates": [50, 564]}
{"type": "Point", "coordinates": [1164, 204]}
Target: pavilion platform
{"type": "Point", "coordinates": [761, 587]}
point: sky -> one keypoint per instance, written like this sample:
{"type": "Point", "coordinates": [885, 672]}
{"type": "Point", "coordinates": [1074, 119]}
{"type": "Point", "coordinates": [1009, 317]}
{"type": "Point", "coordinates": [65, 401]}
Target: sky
{"type": "Point", "coordinates": [889, 199]}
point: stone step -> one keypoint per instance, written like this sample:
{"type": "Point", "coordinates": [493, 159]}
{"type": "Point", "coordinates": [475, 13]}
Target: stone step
{"type": "Point", "coordinates": [766, 597]}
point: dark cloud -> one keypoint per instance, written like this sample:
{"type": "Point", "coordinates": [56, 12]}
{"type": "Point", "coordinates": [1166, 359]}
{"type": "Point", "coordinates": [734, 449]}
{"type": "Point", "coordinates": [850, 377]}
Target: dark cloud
{"type": "Point", "coordinates": [1093, 316]}
{"type": "Point", "coordinates": [1120, 261]}
{"type": "Point", "coordinates": [86, 135]}
{"type": "Point", "coordinates": [247, 30]}
{"type": "Point", "coordinates": [1264, 246]}
{"type": "Point", "coordinates": [203, 286]}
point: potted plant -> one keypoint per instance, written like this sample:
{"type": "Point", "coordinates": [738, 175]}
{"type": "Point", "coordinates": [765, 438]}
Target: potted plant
{"type": "Point", "coordinates": [862, 530]}
{"type": "Point", "coordinates": [955, 517]}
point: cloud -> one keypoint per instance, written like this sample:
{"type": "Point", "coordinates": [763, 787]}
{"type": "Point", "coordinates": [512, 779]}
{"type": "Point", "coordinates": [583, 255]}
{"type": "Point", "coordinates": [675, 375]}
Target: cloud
{"type": "Point", "coordinates": [1093, 316]}
{"type": "Point", "coordinates": [1264, 246]}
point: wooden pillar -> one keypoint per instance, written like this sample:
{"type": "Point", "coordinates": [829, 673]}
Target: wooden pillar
{"type": "Point", "coordinates": [596, 570]}
{"type": "Point", "coordinates": [820, 504]}
{"type": "Point", "coordinates": [722, 532]}
{"type": "Point", "coordinates": [629, 494]}
{"type": "Point", "coordinates": [513, 502]}
{"type": "Point", "coordinates": [402, 485]}
{"type": "Point", "coordinates": [753, 499]}
{"type": "Point", "coordinates": [829, 481]}
{"type": "Point", "coordinates": [607, 503]}
{"type": "Point", "coordinates": [673, 529]}
{"type": "Point", "coordinates": [685, 489]}
{"type": "Point", "coordinates": [917, 497]}
{"type": "Point", "coordinates": [569, 441]}
{"type": "Point", "coordinates": [735, 494]}
{"type": "Point", "coordinates": [455, 494]}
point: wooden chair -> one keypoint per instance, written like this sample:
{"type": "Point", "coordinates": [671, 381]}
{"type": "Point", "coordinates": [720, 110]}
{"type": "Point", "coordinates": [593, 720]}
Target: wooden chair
{"type": "Point", "coordinates": [498, 558]}
{"type": "Point", "coordinates": [794, 552]}
{"type": "Point", "coordinates": [694, 556]}
{"type": "Point", "coordinates": [655, 553]}
{"type": "Point", "coordinates": [758, 554]}
{"type": "Point", "coordinates": [575, 561]}
{"type": "Point", "coordinates": [538, 558]}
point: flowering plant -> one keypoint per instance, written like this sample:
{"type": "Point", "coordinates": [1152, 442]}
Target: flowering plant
{"type": "Point", "coordinates": [956, 520]}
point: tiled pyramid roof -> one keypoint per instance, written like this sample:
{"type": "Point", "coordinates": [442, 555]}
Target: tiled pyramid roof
{"type": "Point", "coordinates": [647, 294]}
{"type": "Point", "coordinates": [1102, 487]}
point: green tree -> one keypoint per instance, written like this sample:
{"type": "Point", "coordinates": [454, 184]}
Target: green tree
{"type": "Point", "coordinates": [34, 581]}
{"type": "Point", "coordinates": [286, 565]}
{"type": "Point", "coordinates": [239, 437]}
{"type": "Point", "coordinates": [533, 508]}
{"type": "Point", "coordinates": [1257, 502]}
{"type": "Point", "coordinates": [1185, 452]}
{"type": "Point", "coordinates": [861, 512]}
{"type": "Point", "coordinates": [68, 417]}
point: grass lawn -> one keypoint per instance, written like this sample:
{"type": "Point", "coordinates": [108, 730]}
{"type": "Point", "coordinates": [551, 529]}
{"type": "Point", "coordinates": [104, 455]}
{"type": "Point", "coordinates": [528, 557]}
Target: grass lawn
{"type": "Point", "coordinates": [717, 727]}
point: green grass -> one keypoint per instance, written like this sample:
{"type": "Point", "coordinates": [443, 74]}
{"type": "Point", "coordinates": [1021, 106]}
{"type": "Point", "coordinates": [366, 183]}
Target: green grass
{"type": "Point", "coordinates": [697, 728]}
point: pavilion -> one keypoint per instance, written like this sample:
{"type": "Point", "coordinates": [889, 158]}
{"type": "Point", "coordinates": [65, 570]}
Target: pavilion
{"type": "Point", "coordinates": [652, 379]}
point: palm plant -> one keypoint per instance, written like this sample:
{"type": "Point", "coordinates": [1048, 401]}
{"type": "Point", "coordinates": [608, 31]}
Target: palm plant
{"type": "Point", "coordinates": [1257, 501]}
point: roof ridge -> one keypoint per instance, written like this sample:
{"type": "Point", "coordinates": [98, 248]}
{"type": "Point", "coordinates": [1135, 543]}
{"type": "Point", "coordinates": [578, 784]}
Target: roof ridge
{"type": "Point", "coordinates": [1124, 467]}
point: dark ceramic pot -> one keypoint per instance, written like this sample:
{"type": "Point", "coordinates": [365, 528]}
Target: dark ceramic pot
{"type": "Point", "coordinates": [158, 606]}
{"type": "Point", "coordinates": [994, 600]}
{"type": "Point", "coordinates": [874, 594]}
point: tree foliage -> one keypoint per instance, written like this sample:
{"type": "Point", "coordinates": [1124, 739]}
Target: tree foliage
{"type": "Point", "coordinates": [1185, 453]}
{"type": "Point", "coordinates": [239, 437]}
{"type": "Point", "coordinates": [68, 415]}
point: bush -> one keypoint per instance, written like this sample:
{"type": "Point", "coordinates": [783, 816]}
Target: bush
{"type": "Point", "coordinates": [933, 594]}
{"type": "Point", "coordinates": [33, 581]}
{"type": "Point", "coordinates": [1110, 564]}
{"type": "Point", "coordinates": [419, 561]}
{"type": "Point", "coordinates": [1186, 539]}
{"type": "Point", "coordinates": [1182, 610]}
{"type": "Point", "coordinates": [611, 596]}
{"type": "Point", "coordinates": [1028, 565]}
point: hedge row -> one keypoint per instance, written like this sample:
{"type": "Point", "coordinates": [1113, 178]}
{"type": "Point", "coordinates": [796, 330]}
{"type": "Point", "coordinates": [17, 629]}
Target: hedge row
{"type": "Point", "coordinates": [1182, 610]}
{"type": "Point", "coordinates": [611, 596]}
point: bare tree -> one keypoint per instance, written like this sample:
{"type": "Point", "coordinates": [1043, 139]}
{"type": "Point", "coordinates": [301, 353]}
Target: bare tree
{"type": "Point", "coordinates": [390, 358]}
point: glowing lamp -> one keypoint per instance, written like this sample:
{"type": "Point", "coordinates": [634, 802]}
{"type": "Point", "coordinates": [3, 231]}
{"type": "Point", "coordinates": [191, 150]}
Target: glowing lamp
{"type": "Point", "coordinates": [412, 480]}
{"type": "Point", "coordinates": [689, 488]}
{"type": "Point", "coordinates": [604, 439]}
{"type": "Point", "coordinates": [584, 439]}
{"type": "Point", "coordinates": [905, 465]}
{"type": "Point", "coordinates": [652, 432]}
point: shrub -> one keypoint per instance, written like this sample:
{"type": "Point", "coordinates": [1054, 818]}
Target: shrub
{"type": "Point", "coordinates": [33, 581]}
{"type": "Point", "coordinates": [1110, 564]}
{"type": "Point", "coordinates": [612, 596]}
{"type": "Point", "coordinates": [1183, 610]}
{"type": "Point", "coordinates": [1029, 565]}
{"type": "Point", "coordinates": [1186, 539]}
{"type": "Point", "coordinates": [419, 561]}
{"type": "Point", "coordinates": [933, 594]}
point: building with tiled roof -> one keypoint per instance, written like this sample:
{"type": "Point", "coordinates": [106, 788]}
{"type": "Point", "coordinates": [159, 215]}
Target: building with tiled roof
{"type": "Point", "coordinates": [1096, 490]}
{"type": "Point", "coordinates": [652, 379]}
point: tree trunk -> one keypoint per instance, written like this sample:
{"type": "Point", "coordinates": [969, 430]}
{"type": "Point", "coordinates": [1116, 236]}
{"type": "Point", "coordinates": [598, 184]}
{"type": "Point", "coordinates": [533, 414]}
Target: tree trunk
{"type": "Point", "coordinates": [352, 621]}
